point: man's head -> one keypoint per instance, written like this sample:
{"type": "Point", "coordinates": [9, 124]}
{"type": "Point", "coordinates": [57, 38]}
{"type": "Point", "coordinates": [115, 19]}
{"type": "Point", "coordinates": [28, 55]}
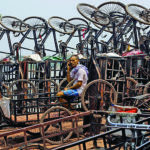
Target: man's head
{"type": "Point", "coordinates": [74, 60]}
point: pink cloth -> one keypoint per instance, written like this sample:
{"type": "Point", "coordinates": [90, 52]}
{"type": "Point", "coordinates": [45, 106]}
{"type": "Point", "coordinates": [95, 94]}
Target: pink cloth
{"type": "Point", "coordinates": [133, 52]}
{"type": "Point", "coordinates": [84, 30]}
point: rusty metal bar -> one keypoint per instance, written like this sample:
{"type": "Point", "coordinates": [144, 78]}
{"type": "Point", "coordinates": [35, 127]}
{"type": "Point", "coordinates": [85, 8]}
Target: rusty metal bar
{"type": "Point", "coordinates": [43, 137]}
{"type": "Point", "coordinates": [41, 125]}
{"type": "Point", "coordinates": [77, 131]}
{"type": "Point", "coordinates": [25, 139]}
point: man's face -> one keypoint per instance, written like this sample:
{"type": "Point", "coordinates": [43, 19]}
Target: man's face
{"type": "Point", "coordinates": [74, 61]}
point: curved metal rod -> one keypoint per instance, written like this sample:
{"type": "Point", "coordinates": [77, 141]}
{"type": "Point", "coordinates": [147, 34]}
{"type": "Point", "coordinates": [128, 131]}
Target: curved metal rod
{"type": "Point", "coordinates": [135, 126]}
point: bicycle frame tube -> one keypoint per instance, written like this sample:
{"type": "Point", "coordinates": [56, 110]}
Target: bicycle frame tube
{"type": "Point", "coordinates": [35, 41]}
{"type": "Point", "coordinates": [97, 34]}
{"type": "Point", "coordinates": [9, 42]}
{"type": "Point", "coordinates": [54, 37]}
{"type": "Point", "coordinates": [2, 34]}
{"type": "Point", "coordinates": [122, 32]}
{"type": "Point", "coordinates": [70, 37]}
{"type": "Point", "coordinates": [93, 60]}
{"type": "Point", "coordinates": [135, 33]}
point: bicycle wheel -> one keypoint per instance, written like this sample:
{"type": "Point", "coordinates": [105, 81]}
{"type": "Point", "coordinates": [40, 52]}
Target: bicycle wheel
{"type": "Point", "coordinates": [38, 24]}
{"type": "Point", "coordinates": [115, 11]}
{"type": "Point", "coordinates": [21, 89]}
{"type": "Point", "coordinates": [130, 88]}
{"type": "Point", "coordinates": [54, 129]}
{"type": "Point", "coordinates": [47, 87]}
{"type": "Point", "coordinates": [79, 24]}
{"type": "Point", "coordinates": [92, 14]}
{"type": "Point", "coordinates": [31, 146]}
{"type": "Point", "coordinates": [139, 13]}
{"type": "Point", "coordinates": [13, 24]}
{"type": "Point", "coordinates": [98, 95]}
{"type": "Point", "coordinates": [64, 83]}
{"type": "Point", "coordinates": [61, 25]}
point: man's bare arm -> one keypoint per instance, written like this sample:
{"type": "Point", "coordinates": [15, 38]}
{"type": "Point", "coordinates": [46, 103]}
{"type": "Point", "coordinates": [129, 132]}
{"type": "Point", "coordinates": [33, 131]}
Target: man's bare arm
{"type": "Point", "coordinates": [68, 76]}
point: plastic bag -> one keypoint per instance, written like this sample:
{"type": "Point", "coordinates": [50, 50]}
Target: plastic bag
{"type": "Point", "coordinates": [4, 104]}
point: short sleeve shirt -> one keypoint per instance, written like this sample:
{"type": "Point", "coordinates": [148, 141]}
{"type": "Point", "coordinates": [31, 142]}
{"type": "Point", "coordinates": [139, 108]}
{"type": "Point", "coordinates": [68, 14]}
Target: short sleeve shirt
{"type": "Point", "coordinates": [81, 76]}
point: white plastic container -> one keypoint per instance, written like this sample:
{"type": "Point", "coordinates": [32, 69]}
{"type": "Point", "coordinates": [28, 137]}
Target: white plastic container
{"type": "Point", "coordinates": [4, 104]}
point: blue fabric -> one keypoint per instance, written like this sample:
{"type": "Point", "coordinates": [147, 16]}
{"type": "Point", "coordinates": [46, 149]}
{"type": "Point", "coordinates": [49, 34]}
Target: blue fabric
{"type": "Point", "coordinates": [70, 95]}
{"type": "Point", "coordinates": [71, 92]}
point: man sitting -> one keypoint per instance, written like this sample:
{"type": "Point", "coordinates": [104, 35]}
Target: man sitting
{"type": "Point", "coordinates": [79, 73]}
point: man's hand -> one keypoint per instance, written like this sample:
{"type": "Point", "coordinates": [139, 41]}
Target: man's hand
{"type": "Point", "coordinates": [68, 66]}
{"type": "Point", "coordinates": [65, 89]}
{"type": "Point", "coordinates": [68, 71]}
